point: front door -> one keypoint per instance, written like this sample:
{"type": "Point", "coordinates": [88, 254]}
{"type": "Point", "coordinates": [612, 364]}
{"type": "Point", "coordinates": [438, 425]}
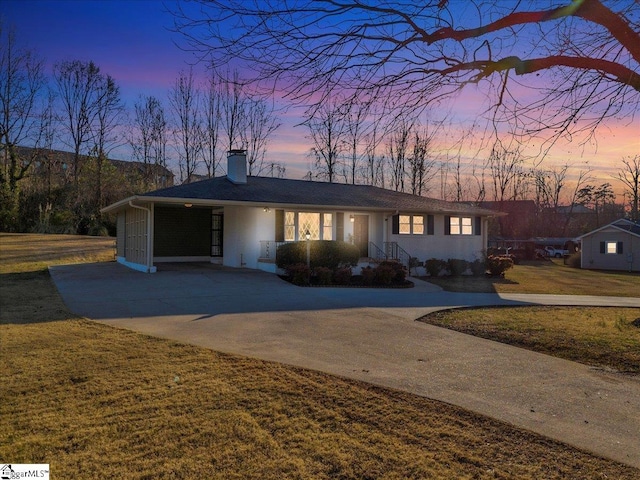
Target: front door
{"type": "Point", "coordinates": [361, 234]}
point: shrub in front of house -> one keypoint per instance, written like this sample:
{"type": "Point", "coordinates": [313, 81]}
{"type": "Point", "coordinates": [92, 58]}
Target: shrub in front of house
{"type": "Point", "coordinates": [384, 274]}
{"type": "Point", "coordinates": [497, 265]}
{"type": "Point", "coordinates": [368, 275]}
{"type": "Point", "coordinates": [478, 267]}
{"type": "Point", "coordinates": [299, 273]}
{"type": "Point", "coordinates": [399, 271]}
{"type": "Point", "coordinates": [457, 266]}
{"type": "Point", "coordinates": [434, 266]}
{"type": "Point", "coordinates": [342, 275]}
{"type": "Point", "coordinates": [323, 275]}
{"type": "Point", "coordinates": [322, 253]}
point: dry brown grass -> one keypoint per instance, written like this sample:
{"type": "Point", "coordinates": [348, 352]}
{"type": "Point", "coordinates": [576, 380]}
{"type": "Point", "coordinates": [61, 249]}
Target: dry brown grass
{"type": "Point", "coordinates": [599, 336]}
{"type": "Point", "coordinates": [99, 402]}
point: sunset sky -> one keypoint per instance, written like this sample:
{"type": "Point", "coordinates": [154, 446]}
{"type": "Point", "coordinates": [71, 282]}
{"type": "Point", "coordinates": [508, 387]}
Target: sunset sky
{"type": "Point", "coordinates": [130, 40]}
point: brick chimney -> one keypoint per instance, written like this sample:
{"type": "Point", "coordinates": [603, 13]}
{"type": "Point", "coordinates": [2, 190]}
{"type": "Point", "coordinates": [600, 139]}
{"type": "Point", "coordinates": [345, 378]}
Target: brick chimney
{"type": "Point", "coordinates": [237, 166]}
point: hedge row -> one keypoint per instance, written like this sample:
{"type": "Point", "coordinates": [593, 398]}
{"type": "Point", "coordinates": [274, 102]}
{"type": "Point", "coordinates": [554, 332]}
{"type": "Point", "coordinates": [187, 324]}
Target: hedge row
{"type": "Point", "coordinates": [322, 253]}
{"type": "Point", "coordinates": [495, 265]}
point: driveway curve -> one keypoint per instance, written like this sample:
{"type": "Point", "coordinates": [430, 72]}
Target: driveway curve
{"type": "Point", "coordinates": [371, 335]}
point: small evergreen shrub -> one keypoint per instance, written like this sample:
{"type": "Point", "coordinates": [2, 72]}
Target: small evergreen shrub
{"type": "Point", "coordinates": [384, 274]}
{"type": "Point", "coordinates": [497, 265]}
{"type": "Point", "coordinates": [457, 266]}
{"type": "Point", "coordinates": [323, 275]}
{"type": "Point", "coordinates": [299, 273]}
{"type": "Point", "coordinates": [478, 267]}
{"type": "Point", "coordinates": [342, 275]}
{"type": "Point", "coordinates": [434, 266]}
{"type": "Point", "coordinates": [368, 275]}
{"type": "Point", "coordinates": [399, 271]}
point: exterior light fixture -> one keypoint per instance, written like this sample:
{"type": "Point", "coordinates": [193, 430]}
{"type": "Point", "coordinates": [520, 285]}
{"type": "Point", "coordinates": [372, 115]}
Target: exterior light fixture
{"type": "Point", "coordinates": [352, 218]}
{"type": "Point", "coordinates": [188, 205]}
{"type": "Point", "coordinates": [307, 235]}
{"type": "Point", "coordinates": [266, 209]}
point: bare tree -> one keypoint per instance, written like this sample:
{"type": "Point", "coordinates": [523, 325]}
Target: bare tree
{"type": "Point", "coordinates": [327, 132]}
{"type": "Point", "coordinates": [21, 83]}
{"type": "Point", "coordinates": [212, 108]}
{"type": "Point", "coordinates": [422, 164]}
{"type": "Point", "coordinates": [505, 167]}
{"type": "Point", "coordinates": [260, 122]}
{"type": "Point", "coordinates": [108, 117]}
{"type": "Point", "coordinates": [374, 160]}
{"type": "Point", "coordinates": [584, 55]}
{"type": "Point", "coordinates": [398, 151]}
{"type": "Point", "coordinates": [355, 117]}
{"type": "Point", "coordinates": [81, 90]}
{"type": "Point", "coordinates": [184, 99]}
{"type": "Point", "coordinates": [629, 175]}
{"type": "Point", "coordinates": [148, 139]}
{"type": "Point", "coordinates": [233, 109]}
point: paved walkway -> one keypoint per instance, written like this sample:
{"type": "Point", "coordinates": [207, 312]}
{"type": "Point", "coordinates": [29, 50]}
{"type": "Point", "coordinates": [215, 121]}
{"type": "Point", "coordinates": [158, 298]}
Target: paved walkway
{"type": "Point", "coordinates": [372, 335]}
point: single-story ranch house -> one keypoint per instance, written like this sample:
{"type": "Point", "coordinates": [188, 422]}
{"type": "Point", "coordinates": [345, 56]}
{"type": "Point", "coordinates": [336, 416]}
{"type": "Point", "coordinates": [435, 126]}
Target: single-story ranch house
{"type": "Point", "coordinates": [613, 247]}
{"type": "Point", "coordinates": [239, 221]}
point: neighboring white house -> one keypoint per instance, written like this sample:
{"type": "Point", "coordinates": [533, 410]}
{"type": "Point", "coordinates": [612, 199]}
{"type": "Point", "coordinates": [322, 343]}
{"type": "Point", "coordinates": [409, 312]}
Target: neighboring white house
{"type": "Point", "coordinates": [239, 221]}
{"type": "Point", "coordinates": [613, 247]}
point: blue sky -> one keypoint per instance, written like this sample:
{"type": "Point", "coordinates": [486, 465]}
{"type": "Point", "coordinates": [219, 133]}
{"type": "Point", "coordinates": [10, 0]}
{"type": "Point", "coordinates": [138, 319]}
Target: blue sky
{"type": "Point", "coordinates": [131, 41]}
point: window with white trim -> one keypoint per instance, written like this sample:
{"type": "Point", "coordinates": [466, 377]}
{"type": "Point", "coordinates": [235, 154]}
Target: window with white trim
{"type": "Point", "coordinates": [297, 224]}
{"type": "Point", "coordinates": [460, 226]}
{"type": "Point", "coordinates": [412, 224]}
{"type": "Point", "coordinates": [611, 247]}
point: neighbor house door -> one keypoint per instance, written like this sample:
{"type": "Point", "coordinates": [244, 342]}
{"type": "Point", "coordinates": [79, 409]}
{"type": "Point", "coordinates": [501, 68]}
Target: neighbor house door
{"type": "Point", "coordinates": [361, 234]}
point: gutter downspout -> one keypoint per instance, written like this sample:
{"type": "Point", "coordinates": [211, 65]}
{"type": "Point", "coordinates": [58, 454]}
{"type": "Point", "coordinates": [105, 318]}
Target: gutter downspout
{"type": "Point", "coordinates": [149, 258]}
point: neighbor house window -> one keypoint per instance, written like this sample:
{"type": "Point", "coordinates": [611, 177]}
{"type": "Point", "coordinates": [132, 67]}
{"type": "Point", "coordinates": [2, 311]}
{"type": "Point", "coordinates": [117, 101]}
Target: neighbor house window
{"type": "Point", "coordinates": [611, 247]}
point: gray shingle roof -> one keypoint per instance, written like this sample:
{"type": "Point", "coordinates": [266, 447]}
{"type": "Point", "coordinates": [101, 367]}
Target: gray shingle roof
{"type": "Point", "coordinates": [300, 192]}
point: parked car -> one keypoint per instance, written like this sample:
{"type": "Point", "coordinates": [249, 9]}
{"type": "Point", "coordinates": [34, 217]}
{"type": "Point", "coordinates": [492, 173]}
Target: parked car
{"type": "Point", "coordinates": [555, 252]}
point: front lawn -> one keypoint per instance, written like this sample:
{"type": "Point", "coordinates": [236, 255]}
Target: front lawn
{"type": "Point", "coordinates": [603, 337]}
{"type": "Point", "coordinates": [99, 402]}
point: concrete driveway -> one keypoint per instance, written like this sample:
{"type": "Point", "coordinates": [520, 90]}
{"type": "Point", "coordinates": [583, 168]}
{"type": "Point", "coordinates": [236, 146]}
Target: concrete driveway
{"type": "Point", "coordinates": [371, 335]}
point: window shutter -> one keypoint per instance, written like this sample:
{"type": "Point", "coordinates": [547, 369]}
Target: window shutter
{"type": "Point", "coordinates": [430, 225]}
{"type": "Point", "coordinates": [619, 249]}
{"type": "Point", "coordinates": [340, 226]}
{"type": "Point", "coordinates": [478, 227]}
{"type": "Point", "coordinates": [447, 224]}
{"type": "Point", "coordinates": [602, 247]}
{"type": "Point", "coordinates": [279, 226]}
{"type": "Point", "coordinates": [395, 224]}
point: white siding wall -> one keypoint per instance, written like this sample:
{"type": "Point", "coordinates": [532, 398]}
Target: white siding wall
{"type": "Point", "coordinates": [244, 227]}
{"type": "Point", "coordinates": [439, 245]}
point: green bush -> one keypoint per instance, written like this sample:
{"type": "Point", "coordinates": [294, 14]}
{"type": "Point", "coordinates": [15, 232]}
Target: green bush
{"type": "Point", "coordinates": [368, 275]}
{"type": "Point", "coordinates": [478, 267]}
{"type": "Point", "coordinates": [322, 253]}
{"type": "Point", "coordinates": [497, 265]}
{"type": "Point", "coordinates": [457, 266]}
{"type": "Point", "coordinates": [399, 271]}
{"type": "Point", "coordinates": [323, 275]}
{"type": "Point", "coordinates": [384, 274]}
{"type": "Point", "coordinates": [299, 273]}
{"type": "Point", "coordinates": [434, 266]}
{"type": "Point", "coordinates": [342, 275]}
